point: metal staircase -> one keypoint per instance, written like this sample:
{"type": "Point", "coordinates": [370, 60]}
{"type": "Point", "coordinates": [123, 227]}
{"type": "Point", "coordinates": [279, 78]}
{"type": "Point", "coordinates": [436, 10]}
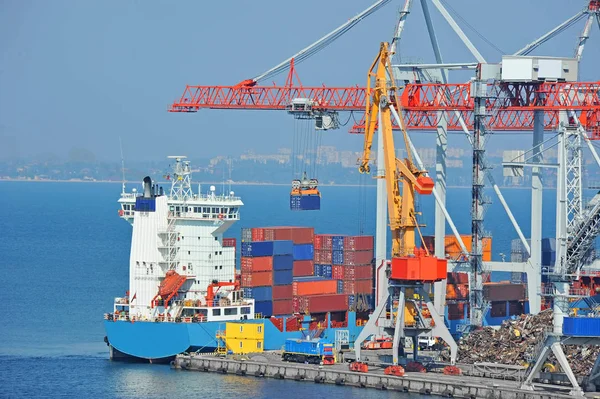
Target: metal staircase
{"type": "Point", "coordinates": [169, 239]}
{"type": "Point", "coordinates": [584, 234]}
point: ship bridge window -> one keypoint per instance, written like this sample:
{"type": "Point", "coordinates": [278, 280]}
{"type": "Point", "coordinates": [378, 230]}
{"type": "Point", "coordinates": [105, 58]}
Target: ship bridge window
{"type": "Point", "coordinates": [245, 310]}
{"type": "Point", "coordinates": [216, 312]}
{"type": "Point", "coordinates": [231, 211]}
{"type": "Point", "coordinates": [205, 209]}
{"type": "Point", "coordinates": [230, 311]}
{"type": "Point", "coordinates": [223, 210]}
{"type": "Point", "coordinates": [215, 210]}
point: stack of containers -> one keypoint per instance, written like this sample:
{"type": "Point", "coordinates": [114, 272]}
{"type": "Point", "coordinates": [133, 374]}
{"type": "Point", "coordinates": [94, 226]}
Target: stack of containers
{"type": "Point", "coordinates": [351, 258]}
{"type": "Point", "coordinates": [266, 269]}
{"type": "Point", "coordinates": [323, 255]}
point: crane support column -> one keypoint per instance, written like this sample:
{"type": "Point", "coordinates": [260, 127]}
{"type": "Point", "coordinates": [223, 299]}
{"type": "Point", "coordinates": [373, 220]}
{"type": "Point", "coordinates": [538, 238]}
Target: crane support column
{"type": "Point", "coordinates": [536, 216]}
{"type": "Point", "coordinates": [381, 224]}
{"type": "Point", "coordinates": [478, 307]}
{"type": "Point", "coordinates": [441, 144]}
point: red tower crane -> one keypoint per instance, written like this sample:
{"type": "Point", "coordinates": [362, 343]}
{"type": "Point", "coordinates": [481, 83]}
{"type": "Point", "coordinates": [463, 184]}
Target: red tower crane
{"type": "Point", "coordinates": [512, 104]}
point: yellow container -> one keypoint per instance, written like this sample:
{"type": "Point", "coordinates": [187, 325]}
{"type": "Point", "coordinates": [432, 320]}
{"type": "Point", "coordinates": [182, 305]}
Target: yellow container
{"type": "Point", "coordinates": [241, 346]}
{"type": "Point", "coordinates": [254, 331]}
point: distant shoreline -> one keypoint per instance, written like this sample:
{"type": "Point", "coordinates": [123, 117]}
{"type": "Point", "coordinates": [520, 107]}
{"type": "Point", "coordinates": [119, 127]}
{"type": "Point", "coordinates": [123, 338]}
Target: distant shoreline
{"type": "Point", "coordinates": [234, 183]}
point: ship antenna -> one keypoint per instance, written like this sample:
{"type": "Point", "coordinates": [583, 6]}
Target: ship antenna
{"type": "Point", "coordinates": [230, 165]}
{"type": "Point", "coordinates": [122, 167]}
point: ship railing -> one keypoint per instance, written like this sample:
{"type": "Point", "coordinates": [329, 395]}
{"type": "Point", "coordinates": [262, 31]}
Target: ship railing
{"type": "Point", "coordinates": [205, 216]}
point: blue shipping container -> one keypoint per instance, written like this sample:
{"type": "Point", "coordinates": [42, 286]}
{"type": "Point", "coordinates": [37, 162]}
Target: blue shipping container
{"type": "Point", "coordinates": [318, 270]}
{"type": "Point", "coordinates": [283, 262]}
{"type": "Point", "coordinates": [305, 202]}
{"type": "Point", "coordinates": [350, 300]}
{"type": "Point", "coordinates": [267, 248]}
{"type": "Point", "coordinates": [582, 326]}
{"type": "Point", "coordinates": [283, 247]}
{"type": "Point", "coordinates": [303, 252]}
{"type": "Point", "coordinates": [264, 307]}
{"type": "Point", "coordinates": [337, 243]}
{"type": "Point", "coordinates": [340, 286]}
{"type": "Point", "coordinates": [327, 271]}
{"type": "Point", "coordinates": [337, 257]}
{"type": "Point", "coordinates": [283, 277]}
{"type": "Point", "coordinates": [259, 293]}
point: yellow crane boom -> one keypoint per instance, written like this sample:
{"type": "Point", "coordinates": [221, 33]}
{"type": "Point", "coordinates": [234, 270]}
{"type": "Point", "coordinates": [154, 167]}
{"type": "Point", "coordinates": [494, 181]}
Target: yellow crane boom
{"type": "Point", "coordinates": [401, 208]}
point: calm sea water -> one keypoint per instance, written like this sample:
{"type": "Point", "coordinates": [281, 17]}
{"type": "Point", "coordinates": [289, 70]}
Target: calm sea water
{"type": "Point", "coordinates": [64, 254]}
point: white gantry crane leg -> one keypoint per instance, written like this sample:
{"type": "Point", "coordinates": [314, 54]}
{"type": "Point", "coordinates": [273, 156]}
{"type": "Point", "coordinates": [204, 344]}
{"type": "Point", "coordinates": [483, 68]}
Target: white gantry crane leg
{"type": "Point", "coordinates": [441, 145]}
{"type": "Point", "coordinates": [371, 328]}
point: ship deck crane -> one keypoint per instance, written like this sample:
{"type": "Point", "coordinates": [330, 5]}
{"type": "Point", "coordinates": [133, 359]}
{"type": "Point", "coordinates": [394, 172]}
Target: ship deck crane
{"type": "Point", "coordinates": [411, 267]}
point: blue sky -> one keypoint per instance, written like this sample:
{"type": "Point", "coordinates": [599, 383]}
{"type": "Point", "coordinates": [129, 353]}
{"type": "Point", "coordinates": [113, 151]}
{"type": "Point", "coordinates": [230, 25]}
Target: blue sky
{"type": "Point", "coordinates": [82, 73]}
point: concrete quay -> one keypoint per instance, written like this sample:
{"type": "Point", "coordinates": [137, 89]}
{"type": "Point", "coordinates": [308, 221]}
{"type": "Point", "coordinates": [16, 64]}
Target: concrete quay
{"type": "Point", "coordinates": [265, 366]}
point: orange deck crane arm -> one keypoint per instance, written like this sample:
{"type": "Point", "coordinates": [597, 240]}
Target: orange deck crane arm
{"type": "Point", "coordinates": [401, 208]}
{"type": "Point", "coordinates": [211, 291]}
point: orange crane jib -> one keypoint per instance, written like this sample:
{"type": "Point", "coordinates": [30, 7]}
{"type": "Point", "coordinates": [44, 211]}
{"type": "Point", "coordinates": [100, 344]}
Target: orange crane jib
{"type": "Point", "coordinates": [511, 105]}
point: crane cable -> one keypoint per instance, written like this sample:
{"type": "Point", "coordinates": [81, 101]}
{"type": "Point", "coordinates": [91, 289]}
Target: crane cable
{"type": "Point", "coordinates": [322, 42]}
{"type": "Point", "coordinates": [449, 7]}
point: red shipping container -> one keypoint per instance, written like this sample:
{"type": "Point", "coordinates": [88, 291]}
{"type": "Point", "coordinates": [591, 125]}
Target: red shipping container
{"type": "Point", "coordinates": [258, 234]}
{"type": "Point", "coordinates": [358, 257]}
{"type": "Point", "coordinates": [357, 272]}
{"type": "Point", "coordinates": [269, 234]}
{"type": "Point", "coordinates": [258, 264]}
{"type": "Point", "coordinates": [299, 235]}
{"type": "Point", "coordinates": [337, 272]}
{"type": "Point", "coordinates": [283, 307]}
{"type": "Point", "coordinates": [301, 288]}
{"type": "Point", "coordinates": [323, 241]}
{"type": "Point", "coordinates": [296, 304]}
{"type": "Point", "coordinates": [282, 292]}
{"type": "Point", "coordinates": [323, 257]}
{"type": "Point", "coordinates": [304, 268]}
{"type": "Point", "coordinates": [324, 303]}
{"type": "Point", "coordinates": [358, 287]}
{"type": "Point", "coordinates": [358, 243]}
{"type": "Point", "coordinates": [259, 279]}
{"type": "Point", "coordinates": [229, 242]}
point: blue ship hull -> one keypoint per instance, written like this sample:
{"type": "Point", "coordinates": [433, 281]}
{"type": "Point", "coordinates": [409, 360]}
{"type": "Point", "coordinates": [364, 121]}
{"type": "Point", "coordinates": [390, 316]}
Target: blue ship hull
{"type": "Point", "coordinates": [160, 342]}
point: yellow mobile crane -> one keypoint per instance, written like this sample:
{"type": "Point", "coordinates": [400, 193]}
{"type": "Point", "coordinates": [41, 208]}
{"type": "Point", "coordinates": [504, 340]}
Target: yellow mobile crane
{"type": "Point", "coordinates": [410, 266]}
{"type": "Point", "coordinates": [401, 208]}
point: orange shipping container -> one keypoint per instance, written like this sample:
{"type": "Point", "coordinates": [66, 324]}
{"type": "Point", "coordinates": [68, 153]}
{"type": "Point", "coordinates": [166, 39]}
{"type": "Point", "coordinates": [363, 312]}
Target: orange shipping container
{"type": "Point", "coordinates": [258, 279]}
{"type": "Point", "coordinates": [301, 288]}
{"type": "Point", "coordinates": [258, 264]}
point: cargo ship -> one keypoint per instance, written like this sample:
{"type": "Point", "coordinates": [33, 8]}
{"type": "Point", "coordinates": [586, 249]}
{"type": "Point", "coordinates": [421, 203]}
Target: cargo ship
{"type": "Point", "coordinates": [186, 295]}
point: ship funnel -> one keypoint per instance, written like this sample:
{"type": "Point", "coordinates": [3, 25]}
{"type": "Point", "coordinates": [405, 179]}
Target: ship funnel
{"type": "Point", "coordinates": [147, 187]}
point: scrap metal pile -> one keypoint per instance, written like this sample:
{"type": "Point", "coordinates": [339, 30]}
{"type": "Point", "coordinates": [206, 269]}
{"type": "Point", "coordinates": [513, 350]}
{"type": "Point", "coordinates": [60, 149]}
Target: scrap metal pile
{"type": "Point", "coordinates": [518, 342]}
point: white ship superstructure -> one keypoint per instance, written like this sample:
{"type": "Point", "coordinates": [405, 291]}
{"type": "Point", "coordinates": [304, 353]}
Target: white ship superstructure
{"type": "Point", "coordinates": [177, 246]}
